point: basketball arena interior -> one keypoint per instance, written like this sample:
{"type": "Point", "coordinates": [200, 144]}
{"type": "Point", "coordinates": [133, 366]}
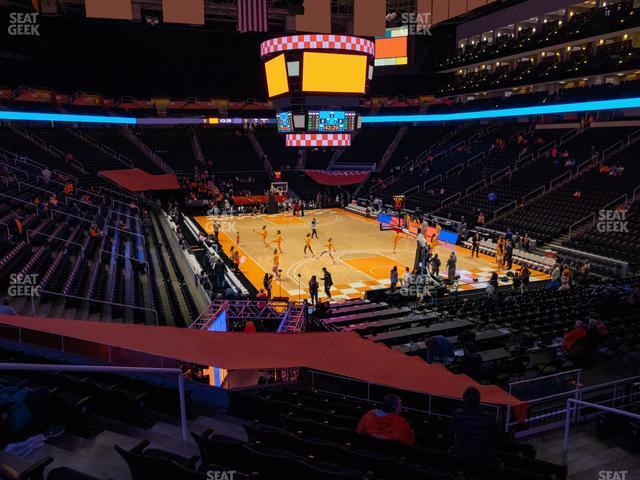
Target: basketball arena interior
{"type": "Point", "coordinates": [319, 239]}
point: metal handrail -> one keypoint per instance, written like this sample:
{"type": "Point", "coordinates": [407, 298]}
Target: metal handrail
{"type": "Point", "coordinates": [633, 136]}
{"type": "Point", "coordinates": [499, 174]}
{"type": "Point", "coordinates": [616, 201]}
{"type": "Point", "coordinates": [87, 299]}
{"type": "Point", "coordinates": [459, 166]}
{"type": "Point", "coordinates": [560, 178]}
{"type": "Point", "coordinates": [66, 240]}
{"type": "Point", "coordinates": [83, 202]}
{"type": "Point", "coordinates": [446, 200]}
{"type": "Point", "coordinates": [476, 158]}
{"type": "Point", "coordinates": [17, 199]}
{"type": "Point", "coordinates": [581, 221]}
{"type": "Point", "coordinates": [635, 193]}
{"type": "Point", "coordinates": [508, 206]}
{"type": "Point", "coordinates": [435, 179]}
{"type": "Point", "coordinates": [613, 148]}
{"type": "Point", "coordinates": [482, 183]}
{"type": "Point", "coordinates": [587, 163]}
{"type": "Point", "coordinates": [123, 370]}
{"type": "Point", "coordinates": [526, 159]}
{"type": "Point", "coordinates": [578, 403]}
{"type": "Point", "coordinates": [532, 193]}
{"type": "Point", "coordinates": [507, 422]}
{"type": "Point", "coordinates": [24, 172]}
{"type": "Point", "coordinates": [82, 190]}
{"type": "Point", "coordinates": [33, 186]}
{"type": "Point", "coordinates": [411, 190]}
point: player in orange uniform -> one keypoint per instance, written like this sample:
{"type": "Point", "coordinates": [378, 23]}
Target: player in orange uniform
{"type": "Point", "coordinates": [328, 248]}
{"type": "Point", "coordinates": [396, 238]}
{"type": "Point", "coordinates": [307, 245]}
{"type": "Point", "coordinates": [500, 252]}
{"type": "Point", "coordinates": [276, 263]}
{"type": "Point", "coordinates": [278, 240]}
{"type": "Point", "coordinates": [263, 233]}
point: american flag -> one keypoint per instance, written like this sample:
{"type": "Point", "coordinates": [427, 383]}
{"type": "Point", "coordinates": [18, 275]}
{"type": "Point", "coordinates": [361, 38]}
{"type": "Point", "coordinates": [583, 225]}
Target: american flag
{"type": "Point", "coordinates": [252, 16]}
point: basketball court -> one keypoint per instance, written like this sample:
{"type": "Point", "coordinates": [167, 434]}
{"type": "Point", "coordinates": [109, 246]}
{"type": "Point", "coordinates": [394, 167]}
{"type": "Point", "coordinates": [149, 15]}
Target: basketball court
{"type": "Point", "coordinates": [364, 254]}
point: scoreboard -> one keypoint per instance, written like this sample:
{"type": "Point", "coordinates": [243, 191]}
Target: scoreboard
{"type": "Point", "coordinates": [331, 121]}
{"type": "Point", "coordinates": [316, 83]}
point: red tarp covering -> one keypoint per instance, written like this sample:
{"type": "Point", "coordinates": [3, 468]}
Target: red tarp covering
{"type": "Point", "coordinates": [253, 199]}
{"type": "Point", "coordinates": [138, 180]}
{"type": "Point", "coordinates": [338, 177]}
{"type": "Point", "coordinates": [345, 354]}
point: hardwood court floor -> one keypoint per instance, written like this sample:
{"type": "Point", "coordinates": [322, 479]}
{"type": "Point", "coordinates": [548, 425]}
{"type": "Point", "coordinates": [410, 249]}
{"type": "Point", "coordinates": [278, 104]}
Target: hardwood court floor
{"type": "Point", "coordinates": [364, 254]}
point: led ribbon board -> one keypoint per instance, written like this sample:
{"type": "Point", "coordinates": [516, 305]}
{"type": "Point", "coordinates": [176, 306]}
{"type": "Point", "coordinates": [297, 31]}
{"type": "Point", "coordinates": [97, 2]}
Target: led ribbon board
{"type": "Point", "coordinates": [594, 106]}
{"type": "Point", "coordinates": [65, 117]}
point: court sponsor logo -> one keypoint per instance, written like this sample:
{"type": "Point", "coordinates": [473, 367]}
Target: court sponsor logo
{"type": "Point", "coordinates": [21, 285]}
{"type": "Point", "coordinates": [23, 24]}
{"type": "Point", "coordinates": [612, 474]}
{"type": "Point", "coordinates": [610, 221]}
{"type": "Point", "coordinates": [417, 23]}
{"type": "Point", "coordinates": [220, 474]}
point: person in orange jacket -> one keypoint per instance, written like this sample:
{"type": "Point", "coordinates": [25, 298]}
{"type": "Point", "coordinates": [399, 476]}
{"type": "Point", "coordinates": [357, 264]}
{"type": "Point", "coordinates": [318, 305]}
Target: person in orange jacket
{"type": "Point", "coordinates": [386, 422]}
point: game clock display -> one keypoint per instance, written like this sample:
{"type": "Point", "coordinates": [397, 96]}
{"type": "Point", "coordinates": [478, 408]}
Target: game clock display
{"type": "Point", "coordinates": [331, 121]}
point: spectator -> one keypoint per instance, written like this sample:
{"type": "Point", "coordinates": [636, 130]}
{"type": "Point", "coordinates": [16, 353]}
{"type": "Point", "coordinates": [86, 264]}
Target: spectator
{"type": "Point", "coordinates": [570, 339]}
{"type": "Point", "coordinates": [313, 290]}
{"type": "Point", "coordinates": [249, 327]}
{"type": "Point", "coordinates": [474, 432]}
{"type": "Point", "coordinates": [261, 294]}
{"type": "Point", "coordinates": [472, 362]}
{"type": "Point", "coordinates": [597, 328]}
{"type": "Point", "coordinates": [407, 278]}
{"type": "Point", "coordinates": [6, 309]}
{"type": "Point", "coordinates": [435, 265]}
{"type": "Point", "coordinates": [475, 245]}
{"type": "Point", "coordinates": [451, 267]}
{"type": "Point", "coordinates": [525, 242]}
{"type": "Point", "coordinates": [218, 272]}
{"type": "Point", "coordinates": [386, 422]}
{"type": "Point", "coordinates": [508, 254]}
{"type": "Point", "coordinates": [28, 405]}
{"type": "Point", "coordinates": [328, 282]}
{"type": "Point", "coordinates": [492, 286]}
{"type": "Point", "coordinates": [267, 283]}
{"type": "Point", "coordinates": [393, 278]}
{"type": "Point", "coordinates": [439, 349]}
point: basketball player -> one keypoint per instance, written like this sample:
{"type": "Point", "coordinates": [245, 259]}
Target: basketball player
{"type": "Point", "coordinates": [500, 252]}
{"type": "Point", "coordinates": [434, 239]}
{"type": "Point", "coordinates": [276, 264]}
{"type": "Point", "coordinates": [307, 245]}
{"type": "Point", "coordinates": [278, 240]}
{"type": "Point", "coordinates": [328, 248]}
{"type": "Point", "coordinates": [314, 224]}
{"type": "Point", "coordinates": [263, 234]}
{"type": "Point", "coordinates": [396, 238]}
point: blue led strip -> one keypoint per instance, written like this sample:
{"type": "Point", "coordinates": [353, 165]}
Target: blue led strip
{"type": "Point", "coordinates": [509, 112]}
{"type": "Point", "coordinates": [65, 117]}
